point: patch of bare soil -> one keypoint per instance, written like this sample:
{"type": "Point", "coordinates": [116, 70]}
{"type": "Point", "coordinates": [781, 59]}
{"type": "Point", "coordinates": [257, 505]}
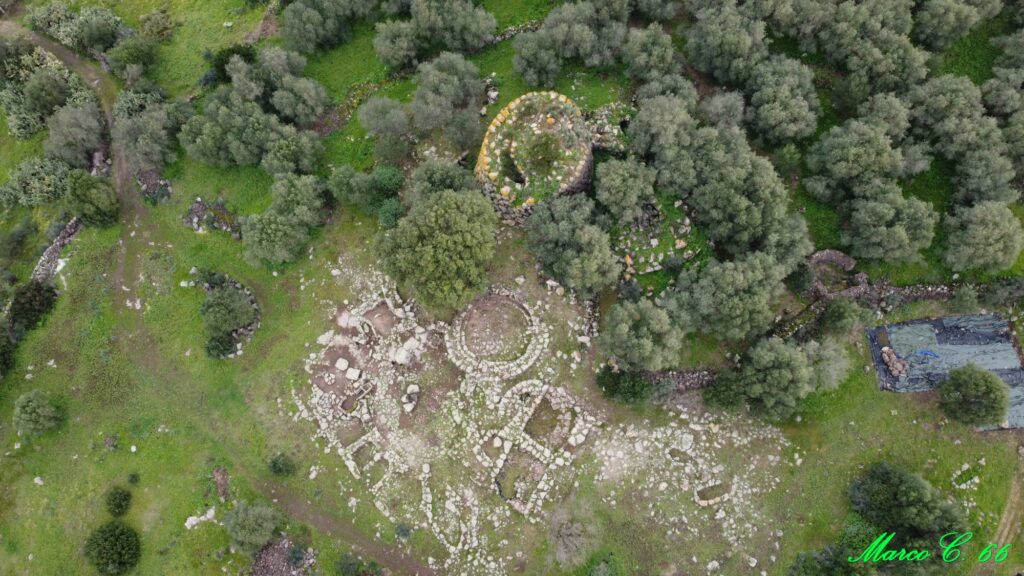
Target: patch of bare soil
{"type": "Point", "coordinates": [496, 328]}
{"type": "Point", "coordinates": [220, 478]}
{"type": "Point", "coordinates": [328, 123]}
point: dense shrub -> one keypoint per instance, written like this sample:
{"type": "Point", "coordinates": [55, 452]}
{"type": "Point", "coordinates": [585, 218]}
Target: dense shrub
{"type": "Point", "coordinates": [350, 565]}
{"type": "Point", "coordinates": [829, 561]}
{"type": "Point", "coordinates": [148, 139]}
{"type": "Point", "coordinates": [840, 316]}
{"type": "Point", "coordinates": [36, 181]}
{"type": "Point", "coordinates": [134, 51]}
{"type": "Point", "coordinates": [434, 175]}
{"type": "Point", "coordinates": [897, 501]}
{"type": "Point", "coordinates": [219, 61]}
{"type": "Point", "coordinates": [441, 250]}
{"type": "Point", "coordinates": [623, 385]}
{"type": "Point", "coordinates": [113, 548]}
{"type": "Point", "coordinates": [829, 363]}
{"type": "Point", "coordinates": [92, 199]}
{"type": "Point", "coordinates": [34, 413]}
{"type": "Point", "coordinates": [974, 396]}
{"type": "Point", "coordinates": [45, 91]}
{"type": "Point", "coordinates": [368, 192]}
{"type": "Point", "coordinates": [250, 526]}
{"type": "Point", "coordinates": [158, 24]}
{"type": "Point", "coordinates": [227, 308]}
{"type": "Point", "coordinates": [30, 303]}
{"type": "Point", "coordinates": [281, 465]}
{"type": "Point", "coordinates": [118, 500]}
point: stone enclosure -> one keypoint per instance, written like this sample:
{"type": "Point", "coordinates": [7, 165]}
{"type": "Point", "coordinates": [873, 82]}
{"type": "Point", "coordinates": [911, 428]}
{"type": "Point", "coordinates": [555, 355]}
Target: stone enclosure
{"type": "Point", "coordinates": [538, 145]}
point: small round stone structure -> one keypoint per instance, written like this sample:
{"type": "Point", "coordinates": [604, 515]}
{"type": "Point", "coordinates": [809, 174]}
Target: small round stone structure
{"type": "Point", "coordinates": [493, 363]}
{"type": "Point", "coordinates": [538, 145]}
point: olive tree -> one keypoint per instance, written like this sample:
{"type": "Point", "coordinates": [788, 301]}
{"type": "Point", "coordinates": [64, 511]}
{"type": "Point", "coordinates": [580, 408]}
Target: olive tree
{"type": "Point", "coordinates": [775, 376]}
{"type": "Point", "coordinates": [784, 105]}
{"type": "Point", "coordinates": [733, 300]}
{"type": "Point", "coordinates": [939, 23]}
{"type": "Point", "coordinates": [648, 53]}
{"type": "Point", "coordinates": [726, 43]}
{"type": "Point", "coordinates": [663, 132]}
{"type": "Point", "coordinates": [623, 187]}
{"type": "Point", "coordinates": [642, 335]}
{"type": "Point", "coordinates": [449, 92]}
{"type": "Point", "coordinates": [569, 246]}
{"type": "Point", "coordinates": [739, 199]}
{"type": "Point", "coordinates": [537, 59]}
{"type": "Point", "coordinates": [441, 250]}
{"type": "Point", "coordinates": [75, 132]}
{"type": "Point", "coordinates": [986, 236]}
{"type": "Point", "coordinates": [886, 225]}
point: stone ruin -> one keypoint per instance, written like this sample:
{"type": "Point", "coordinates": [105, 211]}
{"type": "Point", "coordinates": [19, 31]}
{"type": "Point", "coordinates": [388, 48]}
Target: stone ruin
{"type": "Point", "coordinates": [640, 245]}
{"type": "Point", "coordinates": [507, 176]}
{"type": "Point", "coordinates": [896, 366]}
{"type": "Point", "coordinates": [202, 216]}
{"type": "Point", "coordinates": [501, 440]}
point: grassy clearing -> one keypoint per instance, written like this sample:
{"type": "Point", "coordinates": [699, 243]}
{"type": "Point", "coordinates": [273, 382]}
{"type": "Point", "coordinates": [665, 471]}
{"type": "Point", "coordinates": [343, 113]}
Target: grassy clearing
{"type": "Point", "coordinates": [201, 27]}
{"type": "Point", "coordinates": [845, 430]}
{"type": "Point", "coordinates": [515, 12]}
{"type": "Point", "coordinates": [973, 55]}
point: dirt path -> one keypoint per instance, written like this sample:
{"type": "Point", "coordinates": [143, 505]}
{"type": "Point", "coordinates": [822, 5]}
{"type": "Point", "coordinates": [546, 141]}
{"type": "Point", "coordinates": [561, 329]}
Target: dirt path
{"type": "Point", "coordinates": [1010, 523]}
{"type": "Point", "coordinates": [302, 510]}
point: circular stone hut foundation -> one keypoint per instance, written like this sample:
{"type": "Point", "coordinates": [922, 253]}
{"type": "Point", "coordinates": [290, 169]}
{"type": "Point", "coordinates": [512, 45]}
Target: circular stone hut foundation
{"type": "Point", "coordinates": [537, 146]}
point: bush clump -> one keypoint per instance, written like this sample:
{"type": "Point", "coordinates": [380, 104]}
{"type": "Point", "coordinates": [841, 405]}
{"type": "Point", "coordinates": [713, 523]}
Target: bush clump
{"type": "Point", "coordinates": [226, 309]}
{"type": "Point", "coordinates": [974, 396]}
{"type": "Point", "coordinates": [623, 385]}
{"type": "Point", "coordinates": [118, 501]}
{"type": "Point", "coordinates": [34, 413]}
{"type": "Point", "coordinates": [281, 465]}
{"type": "Point", "coordinates": [113, 548]}
{"type": "Point", "coordinates": [251, 526]}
